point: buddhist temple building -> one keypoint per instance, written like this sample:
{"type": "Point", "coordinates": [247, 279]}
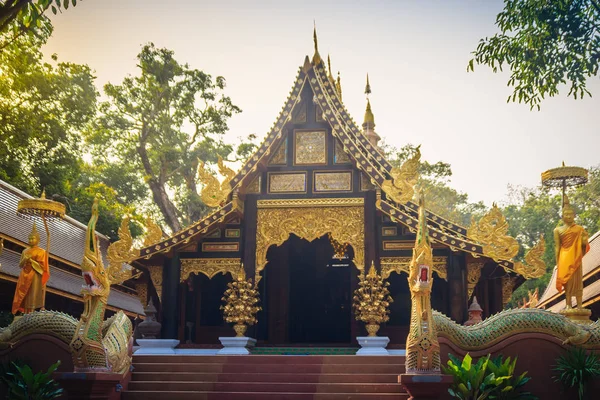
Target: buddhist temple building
{"type": "Point", "coordinates": [310, 210]}
{"type": "Point", "coordinates": [554, 301]}
{"type": "Point", "coordinates": [66, 252]}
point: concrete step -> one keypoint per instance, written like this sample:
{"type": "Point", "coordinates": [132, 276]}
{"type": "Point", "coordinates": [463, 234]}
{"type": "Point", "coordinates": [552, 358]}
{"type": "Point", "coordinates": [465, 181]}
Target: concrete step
{"type": "Point", "coordinates": [270, 368]}
{"type": "Point", "coordinates": [257, 377]}
{"type": "Point", "coordinates": [263, 387]}
{"type": "Point", "coordinates": [163, 395]}
{"type": "Point", "coordinates": [270, 359]}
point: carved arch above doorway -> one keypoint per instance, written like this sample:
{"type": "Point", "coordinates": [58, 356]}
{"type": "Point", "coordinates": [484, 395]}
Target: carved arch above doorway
{"type": "Point", "coordinates": [310, 219]}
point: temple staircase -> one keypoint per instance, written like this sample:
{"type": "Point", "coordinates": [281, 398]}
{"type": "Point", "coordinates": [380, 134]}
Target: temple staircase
{"type": "Point", "coordinates": [264, 377]}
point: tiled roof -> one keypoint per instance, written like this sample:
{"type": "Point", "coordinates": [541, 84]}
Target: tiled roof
{"type": "Point", "coordinates": [591, 266]}
{"type": "Point", "coordinates": [67, 282]}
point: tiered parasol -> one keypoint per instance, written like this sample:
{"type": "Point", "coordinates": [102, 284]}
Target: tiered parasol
{"type": "Point", "coordinates": [563, 177]}
{"type": "Point", "coordinates": [45, 209]}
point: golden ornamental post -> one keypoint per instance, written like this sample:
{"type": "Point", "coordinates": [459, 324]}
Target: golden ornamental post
{"type": "Point", "coordinates": [45, 209]}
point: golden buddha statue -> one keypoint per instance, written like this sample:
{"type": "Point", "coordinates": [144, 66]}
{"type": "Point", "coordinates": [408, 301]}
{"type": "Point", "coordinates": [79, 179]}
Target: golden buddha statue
{"type": "Point", "coordinates": [35, 272]}
{"type": "Point", "coordinates": [571, 243]}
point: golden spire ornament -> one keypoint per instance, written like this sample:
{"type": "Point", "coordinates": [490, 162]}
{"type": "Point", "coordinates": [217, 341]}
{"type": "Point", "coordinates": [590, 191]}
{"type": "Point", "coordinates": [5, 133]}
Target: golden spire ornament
{"type": "Point", "coordinates": [371, 300]}
{"type": "Point", "coordinates": [241, 299]}
{"type": "Point", "coordinates": [316, 57]}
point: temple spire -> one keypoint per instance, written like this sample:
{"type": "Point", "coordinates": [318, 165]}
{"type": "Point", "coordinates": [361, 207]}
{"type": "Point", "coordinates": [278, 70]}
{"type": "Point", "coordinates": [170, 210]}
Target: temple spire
{"type": "Point", "coordinates": [316, 57]}
{"type": "Point", "coordinates": [369, 121]}
{"type": "Point", "coordinates": [368, 87]}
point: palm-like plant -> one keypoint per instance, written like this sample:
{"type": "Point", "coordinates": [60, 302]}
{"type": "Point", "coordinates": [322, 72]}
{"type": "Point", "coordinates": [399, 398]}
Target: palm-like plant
{"type": "Point", "coordinates": [23, 384]}
{"type": "Point", "coordinates": [576, 368]}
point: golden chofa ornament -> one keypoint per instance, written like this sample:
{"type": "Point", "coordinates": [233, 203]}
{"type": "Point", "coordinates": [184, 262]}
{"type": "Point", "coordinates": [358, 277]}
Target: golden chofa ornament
{"type": "Point", "coordinates": [372, 300]}
{"type": "Point", "coordinates": [241, 299]}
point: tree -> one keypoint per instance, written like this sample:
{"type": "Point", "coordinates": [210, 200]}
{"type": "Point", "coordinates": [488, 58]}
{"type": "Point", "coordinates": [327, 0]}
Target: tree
{"type": "Point", "coordinates": [545, 44]}
{"type": "Point", "coordinates": [20, 16]}
{"type": "Point", "coordinates": [158, 124]}
{"type": "Point", "coordinates": [434, 178]}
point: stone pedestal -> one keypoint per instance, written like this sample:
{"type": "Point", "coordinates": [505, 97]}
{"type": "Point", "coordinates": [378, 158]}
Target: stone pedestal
{"type": "Point", "coordinates": [236, 345]}
{"type": "Point", "coordinates": [372, 345]}
{"type": "Point", "coordinates": [425, 386]}
{"type": "Point", "coordinates": [578, 315]}
{"type": "Point", "coordinates": [84, 385]}
{"type": "Point", "coordinates": [152, 347]}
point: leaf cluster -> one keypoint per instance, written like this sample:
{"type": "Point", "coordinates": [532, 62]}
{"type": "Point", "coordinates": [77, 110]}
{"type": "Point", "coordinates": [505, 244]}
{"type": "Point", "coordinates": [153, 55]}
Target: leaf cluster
{"type": "Point", "coordinates": [546, 44]}
{"type": "Point", "coordinates": [23, 384]}
{"type": "Point", "coordinates": [488, 378]}
{"type": "Point", "coordinates": [576, 368]}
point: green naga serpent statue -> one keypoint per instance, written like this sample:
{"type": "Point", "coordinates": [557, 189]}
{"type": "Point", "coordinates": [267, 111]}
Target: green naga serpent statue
{"type": "Point", "coordinates": [96, 345]}
{"type": "Point", "coordinates": [422, 347]}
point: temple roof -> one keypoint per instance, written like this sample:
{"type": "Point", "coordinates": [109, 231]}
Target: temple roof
{"type": "Point", "coordinates": [367, 158]}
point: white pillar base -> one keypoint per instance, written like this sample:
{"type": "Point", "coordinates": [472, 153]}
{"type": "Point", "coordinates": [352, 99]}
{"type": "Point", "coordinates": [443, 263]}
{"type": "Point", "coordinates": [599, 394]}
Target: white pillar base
{"type": "Point", "coordinates": [372, 345]}
{"type": "Point", "coordinates": [153, 347]}
{"type": "Point", "coordinates": [236, 345]}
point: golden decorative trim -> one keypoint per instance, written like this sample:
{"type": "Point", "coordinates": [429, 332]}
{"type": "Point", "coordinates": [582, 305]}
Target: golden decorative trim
{"type": "Point", "coordinates": [156, 276]}
{"type": "Point", "coordinates": [389, 231]}
{"type": "Point", "coordinates": [329, 202]}
{"type": "Point", "coordinates": [254, 186]}
{"type": "Point", "coordinates": [473, 275]}
{"type": "Point", "coordinates": [491, 231]}
{"type": "Point", "coordinates": [390, 245]}
{"type": "Point", "coordinates": [208, 266]}
{"type": "Point", "coordinates": [153, 232]}
{"type": "Point", "coordinates": [274, 226]}
{"type": "Point", "coordinates": [310, 147]}
{"type": "Point", "coordinates": [534, 266]}
{"type": "Point", "coordinates": [340, 155]}
{"type": "Point", "coordinates": [141, 289]}
{"type": "Point", "coordinates": [292, 182]}
{"type": "Point", "coordinates": [365, 183]}
{"type": "Point", "coordinates": [508, 285]}
{"type": "Point", "coordinates": [400, 187]}
{"type": "Point", "coordinates": [402, 264]}
{"type": "Point", "coordinates": [220, 247]}
{"type": "Point", "coordinates": [330, 181]}
{"type": "Point", "coordinates": [121, 252]}
{"type": "Point", "coordinates": [232, 233]}
{"type": "Point", "coordinates": [279, 157]}
{"type": "Point", "coordinates": [214, 193]}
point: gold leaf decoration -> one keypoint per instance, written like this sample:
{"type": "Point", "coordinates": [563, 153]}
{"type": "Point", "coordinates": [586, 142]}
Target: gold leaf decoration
{"type": "Point", "coordinates": [400, 187]}
{"type": "Point", "coordinates": [241, 299]}
{"type": "Point", "coordinates": [491, 232]}
{"type": "Point", "coordinates": [121, 252]}
{"type": "Point", "coordinates": [372, 298]}
{"type": "Point", "coordinates": [213, 192]}
{"type": "Point", "coordinates": [534, 266]}
{"type": "Point", "coordinates": [153, 232]}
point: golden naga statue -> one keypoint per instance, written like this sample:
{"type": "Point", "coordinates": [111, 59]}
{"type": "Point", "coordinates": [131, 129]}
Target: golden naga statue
{"type": "Point", "coordinates": [571, 244]}
{"type": "Point", "coordinates": [153, 232]}
{"type": "Point", "coordinates": [534, 266]}
{"type": "Point", "coordinates": [422, 346]}
{"type": "Point", "coordinates": [401, 187]}
{"type": "Point", "coordinates": [214, 193]}
{"type": "Point", "coordinates": [29, 293]}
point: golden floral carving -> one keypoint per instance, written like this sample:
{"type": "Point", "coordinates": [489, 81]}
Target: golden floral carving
{"type": "Point", "coordinates": [310, 147]}
{"type": "Point", "coordinates": [491, 232]}
{"type": "Point", "coordinates": [274, 226]}
{"type": "Point", "coordinates": [121, 252]}
{"type": "Point", "coordinates": [402, 264]}
{"type": "Point", "coordinates": [141, 289]}
{"type": "Point", "coordinates": [341, 157]}
{"type": "Point", "coordinates": [508, 285]}
{"type": "Point", "coordinates": [208, 266]}
{"type": "Point", "coordinates": [279, 157]}
{"type": "Point", "coordinates": [254, 186]}
{"type": "Point", "coordinates": [214, 193]}
{"type": "Point", "coordinates": [534, 266]}
{"type": "Point", "coordinates": [287, 183]}
{"type": "Point", "coordinates": [156, 276]}
{"type": "Point", "coordinates": [336, 202]}
{"type": "Point", "coordinates": [473, 275]}
{"type": "Point", "coordinates": [333, 181]}
{"type": "Point", "coordinates": [153, 232]}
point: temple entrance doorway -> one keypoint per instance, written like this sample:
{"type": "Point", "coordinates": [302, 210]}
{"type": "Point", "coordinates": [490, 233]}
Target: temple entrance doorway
{"type": "Point", "coordinates": [308, 294]}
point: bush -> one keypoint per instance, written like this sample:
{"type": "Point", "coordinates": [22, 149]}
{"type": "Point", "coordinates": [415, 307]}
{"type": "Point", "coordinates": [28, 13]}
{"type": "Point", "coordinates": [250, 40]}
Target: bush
{"type": "Point", "coordinates": [576, 368]}
{"type": "Point", "coordinates": [488, 378]}
{"type": "Point", "coordinates": [24, 385]}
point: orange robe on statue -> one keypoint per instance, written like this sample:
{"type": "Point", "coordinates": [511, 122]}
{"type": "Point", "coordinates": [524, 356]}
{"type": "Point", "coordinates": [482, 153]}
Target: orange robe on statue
{"type": "Point", "coordinates": [32, 280]}
{"type": "Point", "coordinates": [570, 255]}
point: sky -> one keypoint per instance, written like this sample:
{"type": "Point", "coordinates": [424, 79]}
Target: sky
{"type": "Point", "coordinates": [415, 53]}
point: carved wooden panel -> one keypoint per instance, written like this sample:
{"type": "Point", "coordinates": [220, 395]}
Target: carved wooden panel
{"type": "Point", "coordinates": [332, 181]}
{"type": "Point", "coordinates": [310, 148]}
{"type": "Point", "coordinates": [287, 182]}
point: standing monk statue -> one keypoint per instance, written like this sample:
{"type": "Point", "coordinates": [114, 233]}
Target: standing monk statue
{"type": "Point", "coordinates": [571, 243]}
{"type": "Point", "coordinates": [35, 272]}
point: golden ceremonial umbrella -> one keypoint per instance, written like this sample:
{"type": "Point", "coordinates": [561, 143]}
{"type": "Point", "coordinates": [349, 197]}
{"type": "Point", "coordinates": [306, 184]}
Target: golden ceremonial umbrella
{"type": "Point", "coordinates": [45, 209]}
{"type": "Point", "coordinates": [563, 177]}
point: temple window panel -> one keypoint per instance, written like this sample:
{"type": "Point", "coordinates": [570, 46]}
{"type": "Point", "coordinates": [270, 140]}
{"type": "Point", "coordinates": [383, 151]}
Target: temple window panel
{"type": "Point", "coordinates": [310, 147]}
{"type": "Point", "coordinates": [332, 181]}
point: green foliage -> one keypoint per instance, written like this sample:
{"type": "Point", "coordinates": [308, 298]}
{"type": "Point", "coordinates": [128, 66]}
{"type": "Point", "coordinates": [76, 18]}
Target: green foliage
{"type": "Point", "coordinates": [6, 318]}
{"type": "Point", "coordinates": [487, 378]}
{"type": "Point", "coordinates": [158, 124]}
{"type": "Point", "coordinates": [18, 17]}
{"type": "Point", "coordinates": [23, 384]}
{"type": "Point", "coordinates": [545, 44]}
{"type": "Point", "coordinates": [433, 178]}
{"type": "Point", "coordinates": [576, 368]}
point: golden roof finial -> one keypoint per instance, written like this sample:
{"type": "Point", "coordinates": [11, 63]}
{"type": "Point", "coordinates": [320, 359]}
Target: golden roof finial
{"type": "Point", "coordinates": [43, 196]}
{"type": "Point", "coordinates": [316, 57]}
{"type": "Point", "coordinates": [369, 121]}
{"type": "Point", "coordinates": [368, 87]}
{"type": "Point", "coordinates": [338, 86]}
{"type": "Point", "coordinates": [329, 68]}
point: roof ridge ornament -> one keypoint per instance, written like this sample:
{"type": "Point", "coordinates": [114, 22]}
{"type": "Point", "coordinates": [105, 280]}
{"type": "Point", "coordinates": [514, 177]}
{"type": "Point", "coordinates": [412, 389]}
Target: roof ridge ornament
{"type": "Point", "coordinates": [338, 86]}
{"type": "Point", "coordinates": [401, 185]}
{"type": "Point", "coordinates": [316, 57]}
{"type": "Point", "coordinates": [214, 193]}
{"type": "Point", "coordinates": [491, 231]}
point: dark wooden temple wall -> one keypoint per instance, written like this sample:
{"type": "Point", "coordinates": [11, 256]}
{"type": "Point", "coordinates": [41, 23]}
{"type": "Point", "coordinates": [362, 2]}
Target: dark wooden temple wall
{"type": "Point", "coordinates": [170, 295]}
